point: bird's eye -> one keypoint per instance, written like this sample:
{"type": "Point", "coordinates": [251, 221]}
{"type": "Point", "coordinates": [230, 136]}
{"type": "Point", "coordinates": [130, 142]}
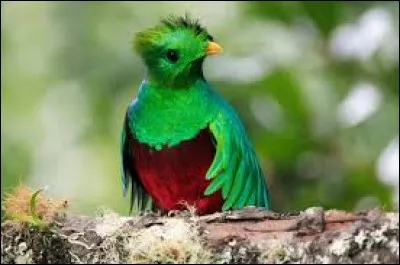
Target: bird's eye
{"type": "Point", "coordinates": [172, 55]}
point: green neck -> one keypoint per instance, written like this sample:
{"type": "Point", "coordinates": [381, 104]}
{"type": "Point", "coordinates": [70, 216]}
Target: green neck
{"type": "Point", "coordinates": [165, 116]}
{"type": "Point", "coordinates": [192, 74]}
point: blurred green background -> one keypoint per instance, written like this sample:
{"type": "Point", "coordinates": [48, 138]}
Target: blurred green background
{"type": "Point", "coordinates": [317, 85]}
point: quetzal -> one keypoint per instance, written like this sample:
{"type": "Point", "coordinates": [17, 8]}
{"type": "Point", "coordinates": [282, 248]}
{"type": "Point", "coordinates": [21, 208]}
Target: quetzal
{"type": "Point", "coordinates": [182, 143]}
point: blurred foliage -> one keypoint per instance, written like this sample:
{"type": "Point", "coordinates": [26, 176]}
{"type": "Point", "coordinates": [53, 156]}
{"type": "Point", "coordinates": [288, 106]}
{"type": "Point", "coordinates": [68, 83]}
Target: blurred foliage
{"type": "Point", "coordinates": [68, 73]}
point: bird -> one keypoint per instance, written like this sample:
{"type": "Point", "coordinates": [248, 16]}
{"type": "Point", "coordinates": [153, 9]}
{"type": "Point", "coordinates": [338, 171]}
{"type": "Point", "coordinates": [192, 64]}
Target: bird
{"type": "Point", "coordinates": [182, 143]}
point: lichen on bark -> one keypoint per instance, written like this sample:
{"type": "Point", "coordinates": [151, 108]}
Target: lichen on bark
{"type": "Point", "coordinates": [242, 236]}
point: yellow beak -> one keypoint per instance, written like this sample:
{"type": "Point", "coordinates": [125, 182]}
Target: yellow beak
{"type": "Point", "coordinates": [213, 48]}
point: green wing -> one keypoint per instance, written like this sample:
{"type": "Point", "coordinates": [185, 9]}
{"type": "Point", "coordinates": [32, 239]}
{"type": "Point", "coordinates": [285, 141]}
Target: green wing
{"type": "Point", "coordinates": [235, 169]}
{"type": "Point", "coordinates": [140, 199]}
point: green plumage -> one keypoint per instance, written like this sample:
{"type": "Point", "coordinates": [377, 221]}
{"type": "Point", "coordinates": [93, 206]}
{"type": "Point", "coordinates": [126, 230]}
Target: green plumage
{"type": "Point", "coordinates": [178, 114]}
{"type": "Point", "coordinates": [175, 103]}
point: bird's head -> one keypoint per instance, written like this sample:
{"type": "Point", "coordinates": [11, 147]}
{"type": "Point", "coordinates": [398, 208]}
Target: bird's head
{"type": "Point", "coordinates": [174, 51]}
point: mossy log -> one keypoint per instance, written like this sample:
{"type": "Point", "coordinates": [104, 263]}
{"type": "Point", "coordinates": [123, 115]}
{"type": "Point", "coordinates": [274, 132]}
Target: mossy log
{"type": "Point", "coordinates": [244, 236]}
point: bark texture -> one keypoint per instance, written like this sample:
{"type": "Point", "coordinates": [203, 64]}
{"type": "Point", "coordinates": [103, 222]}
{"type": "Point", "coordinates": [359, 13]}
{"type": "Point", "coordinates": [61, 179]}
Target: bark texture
{"type": "Point", "coordinates": [244, 236]}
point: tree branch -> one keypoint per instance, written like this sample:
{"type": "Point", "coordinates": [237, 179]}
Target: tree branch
{"type": "Point", "coordinates": [242, 236]}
